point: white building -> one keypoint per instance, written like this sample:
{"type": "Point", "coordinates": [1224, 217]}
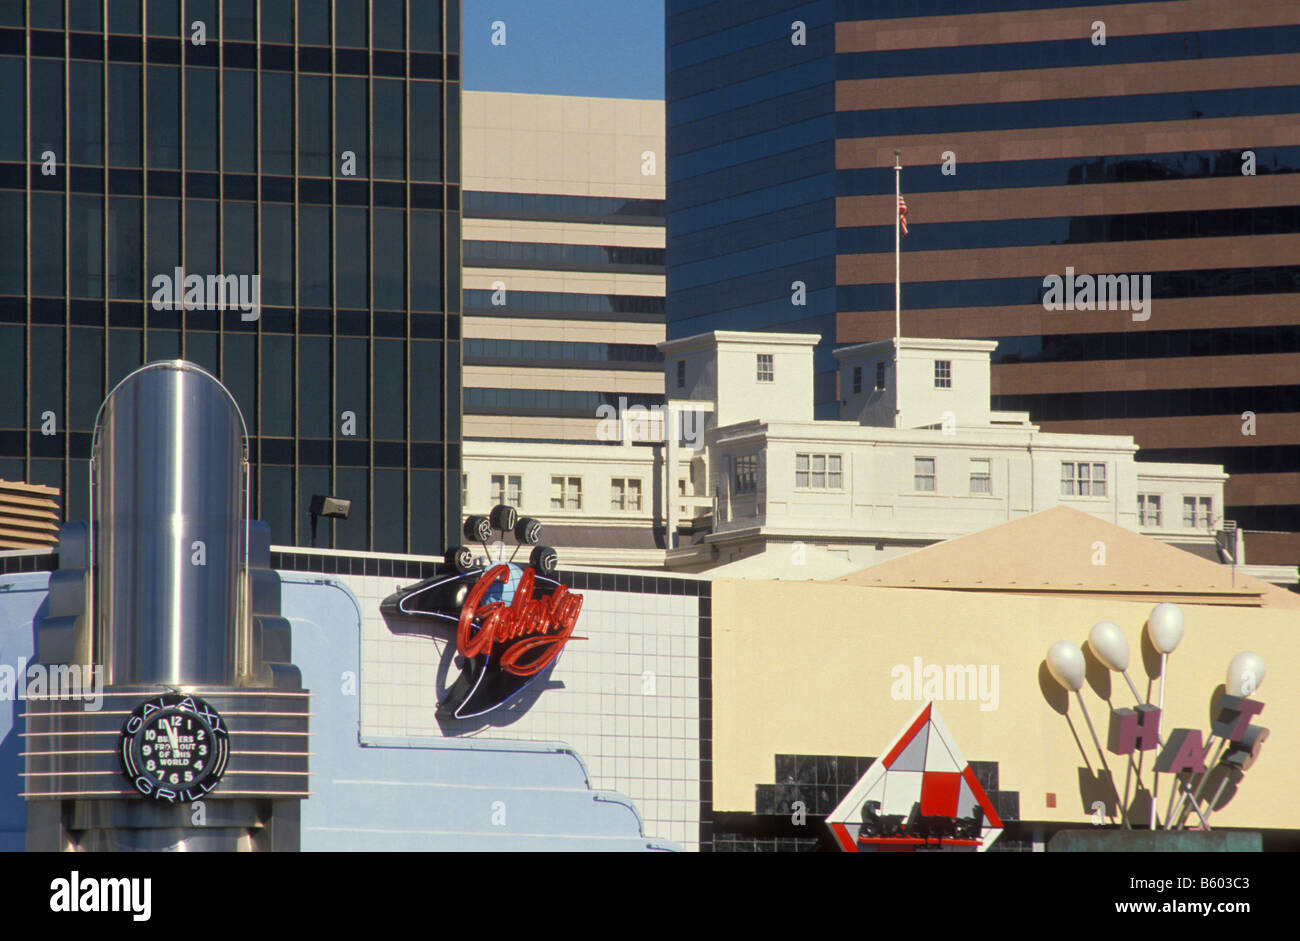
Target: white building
{"type": "Point", "coordinates": [917, 457]}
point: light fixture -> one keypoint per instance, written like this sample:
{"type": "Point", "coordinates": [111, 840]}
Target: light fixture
{"type": "Point", "coordinates": [328, 507]}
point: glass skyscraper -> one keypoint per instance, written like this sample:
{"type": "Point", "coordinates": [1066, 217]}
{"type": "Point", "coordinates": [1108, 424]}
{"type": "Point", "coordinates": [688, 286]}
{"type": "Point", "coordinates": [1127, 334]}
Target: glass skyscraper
{"type": "Point", "coordinates": [1038, 137]}
{"type": "Point", "coordinates": [312, 144]}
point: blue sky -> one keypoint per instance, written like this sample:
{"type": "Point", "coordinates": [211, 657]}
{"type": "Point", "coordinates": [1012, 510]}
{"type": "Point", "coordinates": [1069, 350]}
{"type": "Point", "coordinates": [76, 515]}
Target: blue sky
{"type": "Point", "coordinates": [607, 48]}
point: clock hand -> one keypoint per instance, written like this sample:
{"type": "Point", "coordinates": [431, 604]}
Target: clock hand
{"type": "Point", "coordinates": [171, 734]}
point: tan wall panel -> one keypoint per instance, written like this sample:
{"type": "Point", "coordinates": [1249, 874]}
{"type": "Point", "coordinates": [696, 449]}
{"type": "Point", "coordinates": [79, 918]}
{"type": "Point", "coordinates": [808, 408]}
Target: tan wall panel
{"type": "Point", "coordinates": [1190, 431]}
{"type": "Point", "coordinates": [584, 331]}
{"type": "Point", "coordinates": [568, 282]}
{"type": "Point", "coordinates": [1131, 19]}
{"type": "Point", "coordinates": [1136, 374]}
{"type": "Point", "coordinates": [563, 233]}
{"type": "Point", "coordinates": [1184, 313]}
{"type": "Point", "coordinates": [1039, 143]}
{"type": "Point", "coordinates": [1076, 82]}
{"type": "Point", "coordinates": [1092, 257]}
{"type": "Point", "coordinates": [1092, 199]}
{"type": "Point", "coordinates": [840, 644]}
{"type": "Point", "coordinates": [576, 380]}
{"type": "Point", "coordinates": [498, 427]}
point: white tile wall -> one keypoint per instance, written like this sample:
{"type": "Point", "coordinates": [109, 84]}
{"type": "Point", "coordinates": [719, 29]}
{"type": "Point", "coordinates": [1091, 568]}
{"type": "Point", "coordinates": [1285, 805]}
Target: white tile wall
{"type": "Point", "coordinates": [638, 734]}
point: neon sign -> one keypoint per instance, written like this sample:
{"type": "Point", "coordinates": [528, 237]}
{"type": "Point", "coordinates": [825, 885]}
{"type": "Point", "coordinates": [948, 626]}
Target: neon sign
{"type": "Point", "coordinates": [528, 634]}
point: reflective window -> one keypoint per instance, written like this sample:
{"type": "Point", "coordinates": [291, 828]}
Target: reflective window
{"type": "Point", "coordinates": [277, 21]}
{"type": "Point", "coordinates": [277, 254]}
{"type": "Point", "coordinates": [13, 77]}
{"type": "Point", "coordinates": [238, 129]}
{"type": "Point", "coordinates": [47, 110]}
{"type": "Point", "coordinates": [426, 260]}
{"type": "Point", "coordinates": [390, 20]}
{"type": "Point", "coordinates": [352, 483]}
{"type": "Point", "coordinates": [276, 386]}
{"type": "Point", "coordinates": [85, 376]}
{"type": "Point", "coordinates": [426, 390]}
{"type": "Point", "coordinates": [85, 15]}
{"type": "Point", "coordinates": [426, 131]}
{"type": "Point", "coordinates": [124, 16]}
{"type": "Point", "coordinates": [389, 139]}
{"type": "Point", "coordinates": [351, 254]}
{"type": "Point", "coordinates": [201, 237]}
{"type": "Point", "coordinates": [162, 344]}
{"type": "Point", "coordinates": [201, 348]}
{"type": "Point", "coordinates": [350, 121]}
{"type": "Point", "coordinates": [390, 510]}
{"type": "Point", "coordinates": [313, 481]}
{"type": "Point", "coordinates": [314, 22]}
{"type": "Point", "coordinates": [205, 12]}
{"type": "Point", "coordinates": [47, 244]}
{"type": "Point", "coordinates": [164, 117]}
{"type": "Point", "coordinates": [314, 256]}
{"type": "Point", "coordinates": [389, 377]}
{"type": "Point", "coordinates": [390, 260]}
{"type": "Point", "coordinates": [314, 126]}
{"type": "Point", "coordinates": [238, 22]}
{"type": "Point", "coordinates": [426, 511]}
{"type": "Point", "coordinates": [240, 241]}
{"type": "Point", "coordinates": [123, 354]}
{"type": "Point", "coordinates": [13, 222]}
{"type": "Point", "coordinates": [164, 238]}
{"type": "Point", "coordinates": [86, 247]}
{"type": "Point", "coordinates": [350, 23]}
{"type": "Point", "coordinates": [277, 123]}
{"type": "Point", "coordinates": [163, 17]}
{"type": "Point", "coordinates": [426, 25]}
{"type": "Point", "coordinates": [352, 380]}
{"type": "Point", "coordinates": [276, 498]}
{"type": "Point", "coordinates": [46, 16]}
{"type": "Point", "coordinates": [238, 369]}
{"type": "Point", "coordinates": [529, 351]}
{"type": "Point", "coordinates": [86, 112]}
{"type": "Point", "coordinates": [124, 115]}
{"type": "Point", "coordinates": [13, 355]}
{"type": "Point", "coordinates": [545, 206]}
{"type": "Point", "coordinates": [314, 387]}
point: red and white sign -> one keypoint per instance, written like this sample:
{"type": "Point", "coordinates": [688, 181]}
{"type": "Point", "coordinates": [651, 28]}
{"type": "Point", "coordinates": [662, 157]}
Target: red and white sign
{"type": "Point", "coordinates": [921, 795]}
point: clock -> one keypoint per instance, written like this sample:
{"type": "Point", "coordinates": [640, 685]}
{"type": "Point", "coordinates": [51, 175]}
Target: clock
{"type": "Point", "coordinates": [174, 747]}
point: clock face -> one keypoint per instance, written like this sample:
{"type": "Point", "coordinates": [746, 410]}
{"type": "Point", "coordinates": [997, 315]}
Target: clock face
{"type": "Point", "coordinates": [174, 748]}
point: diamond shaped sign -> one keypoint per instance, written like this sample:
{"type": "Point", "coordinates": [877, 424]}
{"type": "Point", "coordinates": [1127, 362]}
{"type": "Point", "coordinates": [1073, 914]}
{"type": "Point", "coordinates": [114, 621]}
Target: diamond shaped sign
{"type": "Point", "coordinates": [921, 795]}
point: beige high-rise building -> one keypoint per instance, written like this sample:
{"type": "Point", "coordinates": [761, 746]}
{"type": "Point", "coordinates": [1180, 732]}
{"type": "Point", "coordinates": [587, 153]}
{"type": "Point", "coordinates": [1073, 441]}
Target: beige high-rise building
{"type": "Point", "coordinates": [563, 264]}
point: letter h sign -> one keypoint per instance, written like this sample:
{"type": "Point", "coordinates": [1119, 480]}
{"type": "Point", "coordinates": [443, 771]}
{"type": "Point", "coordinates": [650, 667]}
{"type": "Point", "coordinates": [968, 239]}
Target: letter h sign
{"type": "Point", "coordinates": [1131, 728]}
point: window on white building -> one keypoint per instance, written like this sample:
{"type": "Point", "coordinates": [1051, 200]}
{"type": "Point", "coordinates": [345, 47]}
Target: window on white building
{"type": "Point", "coordinates": [745, 473]}
{"type": "Point", "coordinates": [924, 474]}
{"type": "Point", "coordinates": [1148, 509]}
{"type": "Point", "coordinates": [1197, 512]}
{"type": "Point", "coordinates": [766, 371]}
{"type": "Point", "coordinates": [506, 488]}
{"type": "Point", "coordinates": [566, 493]}
{"type": "Point", "coordinates": [981, 475]}
{"type": "Point", "coordinates": [1079, 479]}
{"type": "Point", "coordinates": [857, 379]}
{"type": "Point", "coordinates": [681, 374]}
{"type": "Point", "coordinates": [943, 374]}
{"type": "Point", "coordinates": [625, 493]}
{"type": "Point", "coordinates": [880, 377]}
{"type": "Point", "coordinates": [819, 471]}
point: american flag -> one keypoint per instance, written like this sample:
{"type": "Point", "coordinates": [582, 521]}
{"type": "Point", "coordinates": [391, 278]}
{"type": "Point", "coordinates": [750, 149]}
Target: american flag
{"type": "Point", "coordinates": [902, 213]}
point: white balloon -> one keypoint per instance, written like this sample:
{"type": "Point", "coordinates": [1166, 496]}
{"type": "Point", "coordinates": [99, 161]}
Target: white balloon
{"type": "Point", "coordinates": [1065, 663]}
{"type": "Point", "coordinates": [1165, 626]}
{"type": "Point", "coordinates": [1245, 673]}
{"type": "Point", "coordinates": [1109, 644]}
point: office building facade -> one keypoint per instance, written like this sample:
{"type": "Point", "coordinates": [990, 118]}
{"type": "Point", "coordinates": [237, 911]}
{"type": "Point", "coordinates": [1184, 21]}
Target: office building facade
{"type": "Point", "coordinates": [1037, 138]}
{"type": "Point", "coordinates": [270, 190]}
{"type": "Point", "coordinates": [564, 243]}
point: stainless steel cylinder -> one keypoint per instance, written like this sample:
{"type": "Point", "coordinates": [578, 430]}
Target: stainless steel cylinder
{"type": "Point", "coordinates": [168, 515]}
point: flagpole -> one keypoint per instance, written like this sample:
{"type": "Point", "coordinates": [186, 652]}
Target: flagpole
{"type": "Point", "coordinates": [898, 274]}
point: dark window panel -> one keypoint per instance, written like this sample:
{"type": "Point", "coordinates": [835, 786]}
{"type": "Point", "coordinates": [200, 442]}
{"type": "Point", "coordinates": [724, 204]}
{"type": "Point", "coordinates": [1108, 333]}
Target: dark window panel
{"type": "Point", "coordinates": [200, 119]}
{"type": "Point", "coordinates": [352, 378]}
{"type": "Point", "coordinates": [426, 260]}
{"type": "Point", "coordinates": [350, 23]}
{"type": "Point", "coordinates": [314, 256]}
{"type": "Point", "coordinates": [125, 247]}
{"type": "Point", "coordinates": [351, 253]}
{"type": "Point", "coordinates": [86, 247]}
{"type": "Point", "coordinates": [85, 377]}
{"type": "Point", "coordinates": [164, 117]}
{"type": "Point", "coordinates": [453, 262]}
{"type": "Point", "coordinates": [389, 376]}
{"type": "Point", "coordinates": [239, 19]}
{"type": "Point", "coordinates": [124, 115]}
{"type": "Point", "coordinates": [277, 123]}
{"type": "Point", "coordinates": [277, 21]}
{"type": "Point", "coordinates": [45, 15]}
{"type": "Point", "coordinates": [426, 131]}
{"type": "Point", "coordinates": [162, 344]}
{"type": "Point", "coordinates": [162, 17]}
{"type": "Point", "coordinates": [239, 238]}
{"type": "Point", "coordinates": [390, 511]}
{"type": "Point", "coordinates": [426, 512]}
{"type": "Point", "coordinates": [164, 240]}
{"type": "Point", "coordinates": [452, 432]}
{"type": "Point", "coordinates": [351, 123]}
{"type": "Point", "coordinates": [314, 22]}
{"type": "Point", "coordinates": [390, 20]}
{"type": "Point", "coordinates": [426, 390]}
{"type": "Point", "coordinates": [389, 289]}
{"type": "Point", "coordinates": [389, 139]}
{"type": "Point", "coordinates": [13, 362]}
{"type": "Point", "coordinates": [46, 255]}
{"type": "Point", "coordinates": [314, 387]}
{"type": "Point", "coordinates": [453, 132]}
{"type": "Point", "coordinates": [276, 502]}
{"type": "Point", "coordinates": [314, 125]}
{"type": "Point", "coordinates": [277, 254]}
{"type": "Point", "coordinates": [13, 79]}
{"type": "Point", "coordinates": [13, 259]}
{"type": "Point", "coordinates": [201, 348]}
{"type": "Point", "coordinates": [123, 354]}
{"type": "Point", "coordinates": [47, 381]}
{"type": "Point", "coordinates": [47, 112]}
{"type": "Point", "coordinates": [201, 237]}
{"type": "Point", "coordinates": [313, 481]}
{"type": "Point", "coordinates": [276, 386]}
{"type": "Point", "coordinates": [353, 532]}
{"type": "Point", "coordinates": [238, 372]}
{"type": "Point", "coordinates": [205, 12]}
{"type": "Point", "coordinates": [86, 112]}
